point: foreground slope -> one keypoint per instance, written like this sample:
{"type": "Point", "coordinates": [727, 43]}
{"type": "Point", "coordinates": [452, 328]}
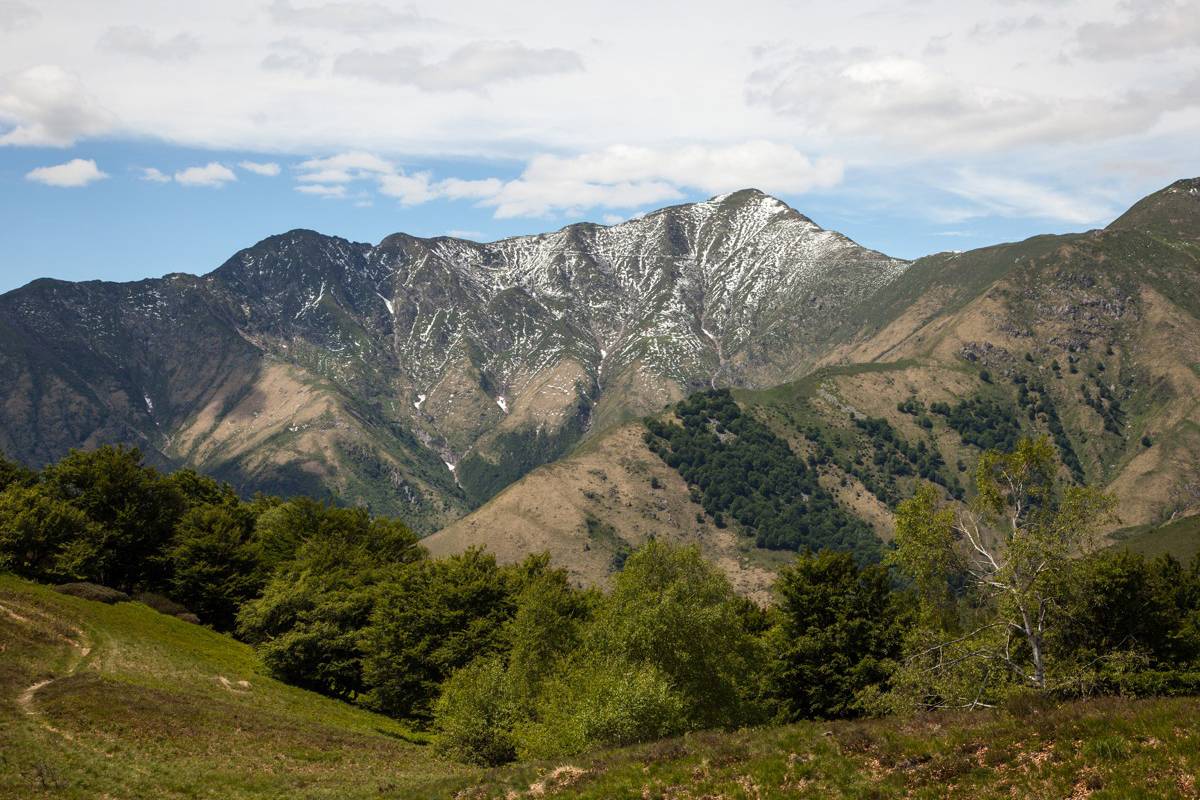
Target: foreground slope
{"type": "Point", "coordinates": [1092, 339]}
{"type": "Point", "coordinates": [122, 702]}
{"type": "Point", "coordinates": [421, 376]}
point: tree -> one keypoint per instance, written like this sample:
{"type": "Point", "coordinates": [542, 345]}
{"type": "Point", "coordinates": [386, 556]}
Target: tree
{"type": "Point", "coordinates": [134, 507]}
{"type": "Point", "coordinates": [672, 609]}
{"type": "Point", "coordinates": [429, 620]}
{"type": "Point", "coordinates": [215, 566]}
{"type": "Point", "coordinates": [308, 623]}
{"type": "Point", "coordinates": [839, 635]}
{"type": "Point", "coordinates": [44, 538]}
{"type": "Point", "coordinates": [13, 473]}
{"type": "Point", "coordinates": [1013, 548]}
{"type": "Point", "coordinates": [475, 715]}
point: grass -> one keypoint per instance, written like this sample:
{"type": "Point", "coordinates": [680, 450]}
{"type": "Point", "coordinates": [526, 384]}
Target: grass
{"type": "Point", "coordinates": [154, 708]}
{"type": "Point", "coordinates": [1180, 538]}
{"type": "Point", "coordinates": [145, 713]}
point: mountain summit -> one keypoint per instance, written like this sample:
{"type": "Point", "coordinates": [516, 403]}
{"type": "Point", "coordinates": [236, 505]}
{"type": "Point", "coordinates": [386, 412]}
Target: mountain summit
{"type": "Point", "coordinates": [421, 376]}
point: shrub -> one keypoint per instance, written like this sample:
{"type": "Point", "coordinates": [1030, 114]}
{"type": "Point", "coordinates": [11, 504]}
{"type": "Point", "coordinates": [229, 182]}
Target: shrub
{"type": "Point", "coordinates": [673, 610]}
{"type": "Point", "coordinates": [603, 702]}
{"type": "Point", "coordinates": [433, 618]}
{"type": "Point", "coordinates": [92, 591]}
{"type": "Point", "coordinates": [475, 715]}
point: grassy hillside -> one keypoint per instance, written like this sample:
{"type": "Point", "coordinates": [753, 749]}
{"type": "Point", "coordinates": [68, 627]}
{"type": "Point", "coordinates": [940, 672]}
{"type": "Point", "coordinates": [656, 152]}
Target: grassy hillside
{"type": "Point", "coordinates": [122, 702]}
{"type": "Point", "coordinates": [1180, 538]}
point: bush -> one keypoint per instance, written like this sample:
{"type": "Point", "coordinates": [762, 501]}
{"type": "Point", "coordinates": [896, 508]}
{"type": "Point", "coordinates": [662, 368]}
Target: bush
{"type": "Point", "coordinates": [475, 715]}
{"type": "Point", "coordinates": [162, 604]}
{"type": "Point", "coordinates": [839, 635]}
{"type": "Point", "coordinates": [673, 610]}
{"type": "Point", "coordinates": [92, 591]}
{"type": "Point", "coordinates": [605, 702]}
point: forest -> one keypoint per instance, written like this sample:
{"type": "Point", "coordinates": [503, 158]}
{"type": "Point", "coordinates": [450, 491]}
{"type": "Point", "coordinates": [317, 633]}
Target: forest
{"type": "Point", "coordinates": [740, 468]}
{"type": "Point", "coordinates": [501, 662]}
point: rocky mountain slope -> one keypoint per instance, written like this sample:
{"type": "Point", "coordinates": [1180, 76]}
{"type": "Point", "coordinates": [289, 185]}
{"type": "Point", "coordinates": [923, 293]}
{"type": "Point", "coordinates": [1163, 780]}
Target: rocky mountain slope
{"type": "Point", "coordinates": [1092, 339]}
{"type": "Point", "coordinates": [421, 376]}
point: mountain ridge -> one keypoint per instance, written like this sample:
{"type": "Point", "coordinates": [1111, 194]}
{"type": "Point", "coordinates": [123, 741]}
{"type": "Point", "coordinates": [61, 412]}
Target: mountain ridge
{"type": "Point", "coordinates": [417, 355]}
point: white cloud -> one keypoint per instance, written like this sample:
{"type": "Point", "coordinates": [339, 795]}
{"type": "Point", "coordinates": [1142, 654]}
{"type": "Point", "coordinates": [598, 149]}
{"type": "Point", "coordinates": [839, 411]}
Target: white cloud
{"type": "Point", "coordinates": [1016, 197]}
{"type": "Point", "coordinates": [351, 17]}
{"type": "Point", "coordinates": [155, 175]}
{"type": "Point", "coordinates": [291, 54]}
{"type": "Point", "coordinates": [135, 41]}
{"type": "Point", "coordinates": [471, 67]}
{"type": "Point", "coordinates": [616, 177]}
{"type": "Point", "coordinates": [74, 173]}
{"type": "Point", "coordinates": [321, 190]}
{"type": "Point", "coordinates": [409, 189]}
{"type": "Point", "coordinates": [460, 189]}
{"type": "Point", "coordinates": [468, 235]}
{"type": "Point", "coordinates": [625, 177]}
{"type": "Point", "coordinates": [270, 169]}
{"type": "Point", "coordinates": [879, 97]}
{"type": "Point", "coordinates": [46, 106]}
{"type": "Point", "coordinates": [212, 174]}
{"type": "Point", "coordinates": [1149, 27]}
{"type": "Point", "coordinates": [344, 168]}
{"type": "Point", "coordinates": [15, 15]}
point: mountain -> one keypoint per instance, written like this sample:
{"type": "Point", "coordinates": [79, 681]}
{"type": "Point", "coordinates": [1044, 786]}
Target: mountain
{"type": "Point", "coordinates": [1092, 339]}
{"type": "Point", "coordinates": [422, 376]}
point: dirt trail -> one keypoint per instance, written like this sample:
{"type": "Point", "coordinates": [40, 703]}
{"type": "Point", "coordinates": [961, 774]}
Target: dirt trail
{"type": "Point", "coordinates": [81, 645]}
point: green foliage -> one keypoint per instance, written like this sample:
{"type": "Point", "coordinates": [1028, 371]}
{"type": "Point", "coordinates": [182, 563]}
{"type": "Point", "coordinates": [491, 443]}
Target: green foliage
{"type": "Point", "coordinates": [429, 620]}
{"type": "Point", "coordinates": [744, 470]}
{"type": "Point", "coordinates": [1121, 603]}
{"type": "Point", "coordinates": [309, 620]}
{"type": "Point", "coordinates": [601, 702]}
{"type": "Point", "coordinates": [672, 609]}
{"type": "Point", "coordinates": [982, 422]}
{"type": "Point", "coordinates": [894, 458]}
{"type": "Point", "coordinates": [214, 564]}
{"type": "Point", "coordinates": [13, 473]}
{"type": "Point", "coordinates": [839, 633]}
{"type": "Point", "coordinates": [1015, 551]}
{"type": "Point", "coordinates": [43, 537]}
{"type": "Point", "coordinates": [672, 648]}
{"type": "Point", "coordinates": [546, 628]}
{"type": "Point", "coordinates": [475, 715]}
{"type": "Point", "coordinates": [1033, 396]}
{"type": "Point", "coordinates": [135, 509]}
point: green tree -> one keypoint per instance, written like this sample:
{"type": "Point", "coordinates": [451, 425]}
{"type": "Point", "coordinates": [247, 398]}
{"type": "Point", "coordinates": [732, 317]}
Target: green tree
{"type": "Point", "coordinates": [546, 628]}
{"type": "Point", "coordinates": [135, 508]}
{"type": "Point", "coordinates": [475, 716]}
{"type": "Point", "coordinates": [44, 538]}
{"type": "Point", "coordinates": [308, 622]}
{"type": "Point", "coordinates": [673, 610]}
{"type": "Point", "coordinates": [1013, 548]}
{"type": "Point", "coordinates": [839, 635]}
{"type": "Point", "coordinates": [429, 620]}
{"type": "Point", "coordinates": [603, 701]}
{"type": "Point", "coordinates": [215, 566]}
{"type": "Point", "coordinates": [13, 473]}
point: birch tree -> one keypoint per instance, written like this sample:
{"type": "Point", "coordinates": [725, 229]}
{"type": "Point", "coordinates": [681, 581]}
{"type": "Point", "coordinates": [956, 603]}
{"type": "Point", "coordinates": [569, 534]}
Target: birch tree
{"type": "Point", "coordinates": [1010, 552]}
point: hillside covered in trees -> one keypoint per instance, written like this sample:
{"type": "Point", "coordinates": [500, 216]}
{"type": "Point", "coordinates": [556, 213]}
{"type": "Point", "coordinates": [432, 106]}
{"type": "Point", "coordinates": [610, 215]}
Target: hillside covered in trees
{"type": "Point", "coordinates": [514, 662]}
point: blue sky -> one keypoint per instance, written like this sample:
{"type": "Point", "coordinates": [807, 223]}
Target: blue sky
{"type": "Point", "coordinates": [911, 127]}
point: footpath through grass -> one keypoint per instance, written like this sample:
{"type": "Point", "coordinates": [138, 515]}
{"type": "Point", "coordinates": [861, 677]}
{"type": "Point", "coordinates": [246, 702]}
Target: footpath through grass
{"type": "Point", "coordinates": [141, 705]}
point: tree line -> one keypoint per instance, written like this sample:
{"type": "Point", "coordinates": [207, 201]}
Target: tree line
{"type": "Point", "coordinates": [974, 606]}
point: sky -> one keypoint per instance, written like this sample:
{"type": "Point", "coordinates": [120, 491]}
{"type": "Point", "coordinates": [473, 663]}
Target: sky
{"type": "Point", "coordinates": [142, 138]}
